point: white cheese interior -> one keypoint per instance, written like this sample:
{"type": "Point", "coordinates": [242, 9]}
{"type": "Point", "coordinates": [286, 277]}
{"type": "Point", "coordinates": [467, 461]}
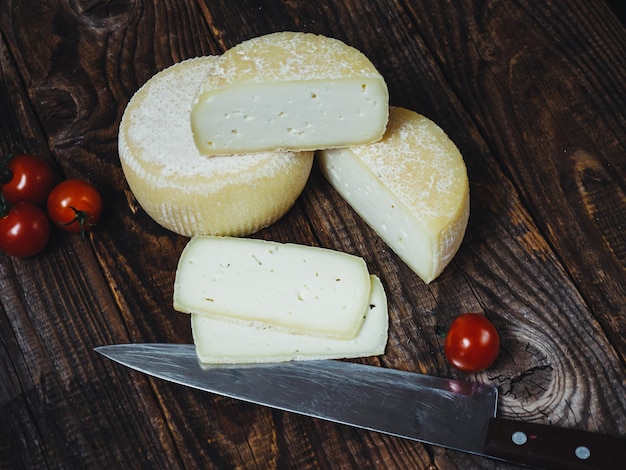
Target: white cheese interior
{"type": "Point", "coordinates": [289, 91]}
{"type": "Point", "coordinates": [219, 342]}
{"type": "Point", "coordinates": [294, 288]}
{"type": "Point", "coordinates": [411, 188]}
{"type": "Point", "coordinates": [382, 210]}
{"type": "Point", "coordinates": [302, 115]}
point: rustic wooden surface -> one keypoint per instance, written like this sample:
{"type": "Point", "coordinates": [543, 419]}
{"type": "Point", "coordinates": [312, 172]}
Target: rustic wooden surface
{"type": "Point", "coordinates": [534, 95]}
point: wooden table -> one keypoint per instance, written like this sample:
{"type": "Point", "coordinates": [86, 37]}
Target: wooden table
{"type": "Point", "coordinates": [533, 94]}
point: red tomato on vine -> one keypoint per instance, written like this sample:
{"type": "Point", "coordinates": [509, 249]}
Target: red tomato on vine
{"type": "Point", "coordinates": [25, 178]}
{"type": "Point", "coordinates": [74, 205]}
{"type": "Point", "coordinates": [24, 229]}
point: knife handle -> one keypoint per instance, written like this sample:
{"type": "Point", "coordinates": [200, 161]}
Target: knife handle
{"type": "Point", "coordinates": [553, 447]}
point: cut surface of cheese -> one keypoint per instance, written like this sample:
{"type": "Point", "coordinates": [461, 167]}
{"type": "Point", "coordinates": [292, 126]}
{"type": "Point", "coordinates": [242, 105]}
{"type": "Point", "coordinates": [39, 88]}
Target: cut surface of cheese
{"type": "Point", "coordinates": [190, 193]}
{"type": "Point", "coordinates": [222, 342]}
{"type": "Point", "coordinates": [290, 287]}
{"type": "Point", "coordinates": [411, 188]}
{"type": "Point", "coordinates": [289, 90]}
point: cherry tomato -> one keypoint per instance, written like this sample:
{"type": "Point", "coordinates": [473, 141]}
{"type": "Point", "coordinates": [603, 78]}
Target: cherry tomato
{"type": "Point", "coordinates": [74, 205]}
{"type": "Point", "coordinates": [472, 343]}
{"type": "Point", "coordinates": [24, 229]}
{"type": "Point", "coordinates": [26, 178]}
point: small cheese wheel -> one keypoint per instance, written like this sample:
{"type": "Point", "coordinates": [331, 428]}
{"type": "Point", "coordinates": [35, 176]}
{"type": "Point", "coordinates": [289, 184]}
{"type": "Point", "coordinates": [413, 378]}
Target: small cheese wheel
{"type": "Point", "coordinates": [411, 188]}
{"type": "Point", "coordinates": [222, 342]}
{"type": "Point", "coordinates": [189, 193]}
{"type": "Point", "coordinates": [295, 288]}
{"type": "Point", "coordinates": [290, 90]}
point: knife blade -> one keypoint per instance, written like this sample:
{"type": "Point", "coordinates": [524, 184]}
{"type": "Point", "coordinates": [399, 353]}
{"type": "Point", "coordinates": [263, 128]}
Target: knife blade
{"type": "Point", "coordinates": [450, 413]}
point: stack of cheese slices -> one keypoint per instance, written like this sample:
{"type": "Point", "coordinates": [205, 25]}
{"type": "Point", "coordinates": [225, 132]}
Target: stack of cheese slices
{"type": "Point", "coordinates": [260, 301]}
{"type": "Point", "coordinates": [219, 147]}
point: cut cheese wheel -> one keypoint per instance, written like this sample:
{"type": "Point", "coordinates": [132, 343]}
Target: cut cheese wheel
{"type": "Point", "coordinates": [411, 188]}
{"type": "Point", "coordinates": [219, 342]}
{"type": "Point", "coordinates": [189, 193]}
{"type": "Point", "coordinates": [292, 91]}
{"type": "Point", "coordinates": [295, 288]}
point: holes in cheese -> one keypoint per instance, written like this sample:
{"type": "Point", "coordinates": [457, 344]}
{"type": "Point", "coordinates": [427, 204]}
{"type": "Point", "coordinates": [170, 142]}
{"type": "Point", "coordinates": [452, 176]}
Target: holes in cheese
{"type": "Point", "coordinates": [189, 193]}
{"type": "Point", "coordinates": [289, 90]}
{"type": "Point", "coordinates": [220, 342]}
{"type": "Point", "coordinates": [411, 188]}
{"type": "Point", "coordinates": [294, 288]}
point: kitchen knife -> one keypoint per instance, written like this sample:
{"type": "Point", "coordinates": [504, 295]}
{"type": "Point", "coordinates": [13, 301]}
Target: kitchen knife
{"type": "Point", "coordinates": [449, 413]}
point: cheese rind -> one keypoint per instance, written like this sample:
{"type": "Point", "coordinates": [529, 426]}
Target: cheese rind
{"type": "Point", "coordinates": [186, 192]}
{"type": "Point", "coordinates": [290, 287]}
{"type": "Point", "coordinates": [289, 90]}
{"type": "Point", "coordinates": [411, 188]}
{"type": "Point", "coordinates": [222, 342]}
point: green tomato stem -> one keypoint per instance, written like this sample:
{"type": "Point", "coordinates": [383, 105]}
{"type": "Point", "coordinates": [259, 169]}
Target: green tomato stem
{"type": "Point", "coordinates": [5, 207]}
{"type": "Point", "coordinates": [6, 175]}
{"type": "Point", "coordinates": [80, 217]}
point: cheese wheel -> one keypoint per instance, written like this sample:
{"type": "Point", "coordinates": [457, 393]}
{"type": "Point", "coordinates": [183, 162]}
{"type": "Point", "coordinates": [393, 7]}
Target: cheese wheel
{"type": "Point", "coordinates": [189, 193]}
{"type": "Point", "coordinates": [289, 90]}
{"type": "Point", "coordinates": [411, 188]}
{"type": "Point", "coordinates": [295, 288]}
{"type": "Point", "coordinates": [219, 342]}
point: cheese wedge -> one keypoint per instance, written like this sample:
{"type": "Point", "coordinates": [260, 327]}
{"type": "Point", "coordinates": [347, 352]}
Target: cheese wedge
{"type": "Point", "coordinates": [222, 342]}
{"type": "Point", "coordinates": [289, 90]}
{"type": "Point", "coordinates": [411, 188]}
{"type": "Point", "coordinates": [293, 288]}
{"type": "Point", "coordinates": [189, 193]}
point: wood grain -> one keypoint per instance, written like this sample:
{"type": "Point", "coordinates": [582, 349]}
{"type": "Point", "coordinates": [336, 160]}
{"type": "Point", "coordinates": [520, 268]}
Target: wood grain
{"type": "Point", "coordinates": [533, 95]}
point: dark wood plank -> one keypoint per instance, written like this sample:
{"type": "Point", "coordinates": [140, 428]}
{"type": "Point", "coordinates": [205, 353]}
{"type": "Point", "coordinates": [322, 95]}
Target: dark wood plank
{"type": "Point", "coordinates": [551, 110]}
{"type": "Point", "coordinates": [61, 404]}
{"type": "Point", "coordinates": [530, 94]}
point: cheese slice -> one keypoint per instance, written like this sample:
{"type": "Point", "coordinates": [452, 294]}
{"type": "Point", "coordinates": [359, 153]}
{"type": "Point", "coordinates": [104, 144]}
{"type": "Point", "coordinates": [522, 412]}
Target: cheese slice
{"type": "Point", "coordinates": [223, 342]}
{"type": "Point", "coordinates": [289, 90]}
{"type": "Point", "coordinates": [411, 188]}
{"type": "Point", "coordinates": [290, 287]}
{"type": "Point", "coordinates": [189, 193]}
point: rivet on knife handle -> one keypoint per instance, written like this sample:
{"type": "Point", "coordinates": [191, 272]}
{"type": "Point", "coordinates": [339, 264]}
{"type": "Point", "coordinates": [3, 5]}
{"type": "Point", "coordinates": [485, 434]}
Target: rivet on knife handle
{"type": "Point", "coordinates": [555, 447]}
